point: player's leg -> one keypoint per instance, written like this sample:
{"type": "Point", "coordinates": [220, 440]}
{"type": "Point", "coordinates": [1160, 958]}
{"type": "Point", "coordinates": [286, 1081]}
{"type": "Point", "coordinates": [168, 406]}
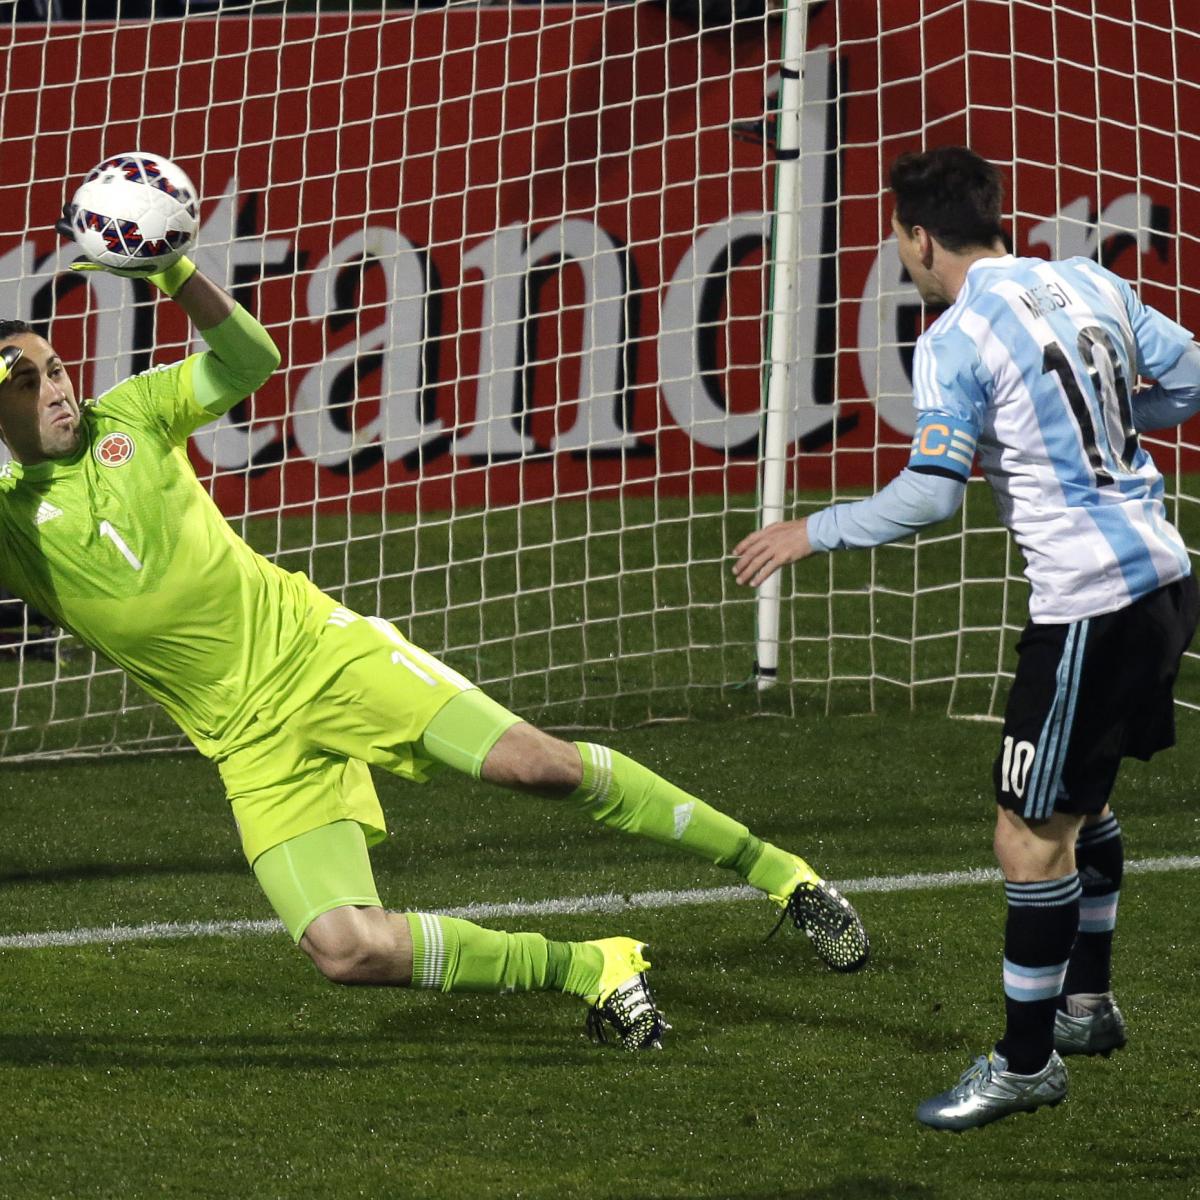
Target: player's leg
{"type": "Point", "coordinates": [1042, 889]}
{"type": "Point", "coordinates": [321, 885]}
{"type": "Point", "coordinates": [1147, 646]}
{"type": "Point", "coordinates": [306, 818]}
{"type": "Point", "coordinates": [478, 736]}
{"type": "Point", "coordinates": [1088, 1020]}
{"type": "Point", "coordinates": [1034, 845]}
{"type": "Point", "coordinates": [397, 706]}
{"type": "Point", "coordinates": [618, 792]}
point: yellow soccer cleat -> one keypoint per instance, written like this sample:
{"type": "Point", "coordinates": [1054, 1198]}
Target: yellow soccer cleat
{"type": "Point", "coordinates": [623, 1008]}
{"type": "Point", "coordinates": [827, 917]}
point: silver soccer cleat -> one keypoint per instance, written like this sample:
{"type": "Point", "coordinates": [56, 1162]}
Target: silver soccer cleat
{"type": "Point", "coordinates": [1099, 1032]}
{"type": "Point", "coordinates": [988, 1090]}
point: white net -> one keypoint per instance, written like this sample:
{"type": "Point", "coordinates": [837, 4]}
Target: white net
{"type": "Point", "coordinates": [515, 259]}
{"type": "Point", "coordinates": [1085, 107]}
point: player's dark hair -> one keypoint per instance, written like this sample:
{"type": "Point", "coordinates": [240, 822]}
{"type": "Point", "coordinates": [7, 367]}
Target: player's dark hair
{"type": "Point", "coordinates": [10, 327]}
{"type": "Point", "coordinates": [951, 192]}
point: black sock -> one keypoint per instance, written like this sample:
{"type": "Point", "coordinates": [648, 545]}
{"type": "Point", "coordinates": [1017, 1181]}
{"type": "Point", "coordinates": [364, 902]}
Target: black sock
{"type": "Point", "coordinates": [1100, 858]}
{"type": "Point", "coordinates": [1042, 920]}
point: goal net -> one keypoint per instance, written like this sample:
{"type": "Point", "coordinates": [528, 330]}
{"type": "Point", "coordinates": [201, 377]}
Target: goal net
{"type": "Point", "coordinates": [519, 261]}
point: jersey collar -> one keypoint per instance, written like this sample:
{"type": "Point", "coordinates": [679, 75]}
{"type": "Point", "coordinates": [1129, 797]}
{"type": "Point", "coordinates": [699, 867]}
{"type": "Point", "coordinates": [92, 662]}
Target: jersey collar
{"type": "Point", "coordinates": [989, 261]}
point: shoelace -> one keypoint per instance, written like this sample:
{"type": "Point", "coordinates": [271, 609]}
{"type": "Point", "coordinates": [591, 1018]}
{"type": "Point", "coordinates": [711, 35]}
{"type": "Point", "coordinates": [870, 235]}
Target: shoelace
{"type": "Point", "coordinates": [783, 916]}
{"type": "Point", "coordinates": [827, 913]}
{"type": "Point", "coordinates": [980, 1071]}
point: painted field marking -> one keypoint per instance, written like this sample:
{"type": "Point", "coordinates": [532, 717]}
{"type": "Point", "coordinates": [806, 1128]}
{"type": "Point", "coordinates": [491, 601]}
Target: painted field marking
{"type": "Point", "coordinates": [611, 902]}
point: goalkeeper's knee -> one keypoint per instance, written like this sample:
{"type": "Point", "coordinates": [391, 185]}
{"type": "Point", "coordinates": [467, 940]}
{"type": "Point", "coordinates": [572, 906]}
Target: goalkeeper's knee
{"type": "Point", "coordinates": [351, 945]}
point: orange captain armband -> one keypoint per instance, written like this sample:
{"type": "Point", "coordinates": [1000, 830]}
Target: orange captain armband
{"type": "Point", "coordinates": [943, 446]}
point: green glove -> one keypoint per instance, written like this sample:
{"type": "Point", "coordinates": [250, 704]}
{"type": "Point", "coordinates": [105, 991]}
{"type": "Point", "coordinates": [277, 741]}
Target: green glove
{"type": "Point", "coordinates": [168, 281]}
{"type": "Point", "coordinates": [9, 358]}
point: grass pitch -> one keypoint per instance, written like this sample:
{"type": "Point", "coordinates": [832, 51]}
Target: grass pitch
{"type": "Point", "coordinates": [224, 1066]}
{"type": "Point", "coordinates": [217, 1066]}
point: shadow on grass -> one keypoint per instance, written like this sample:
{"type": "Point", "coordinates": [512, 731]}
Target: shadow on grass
{"type": "Point", "coordinates": [857, 1187]}
{"type": "Point", "coordinates": [87, 872]}
{"type": "Point", "coordinates": [291, 1051]}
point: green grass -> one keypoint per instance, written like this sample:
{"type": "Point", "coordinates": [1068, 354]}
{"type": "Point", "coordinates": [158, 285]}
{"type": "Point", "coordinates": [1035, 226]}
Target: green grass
{"type": "Point", "coordinates": [226, 1066]}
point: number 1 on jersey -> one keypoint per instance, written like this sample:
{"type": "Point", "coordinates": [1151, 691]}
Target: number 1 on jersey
{"type": "Point", "coordinates": [106, 530]}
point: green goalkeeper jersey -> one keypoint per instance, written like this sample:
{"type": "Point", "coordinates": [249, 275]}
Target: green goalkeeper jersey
{"type": "Point", "coordinates": [123, 546]}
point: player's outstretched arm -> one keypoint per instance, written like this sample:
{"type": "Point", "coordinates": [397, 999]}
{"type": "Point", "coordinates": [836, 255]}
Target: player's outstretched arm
{"type": "Point", "coordinates": [913, 500]}
{"type": "Point", "coordinates": [205, 303]}
{"type": "Point", "coordinates": [241, 355]}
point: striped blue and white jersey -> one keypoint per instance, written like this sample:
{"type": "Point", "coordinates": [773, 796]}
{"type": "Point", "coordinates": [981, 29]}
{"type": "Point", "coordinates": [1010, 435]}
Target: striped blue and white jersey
{"type": "Point", "coordinates": [1033, 368]}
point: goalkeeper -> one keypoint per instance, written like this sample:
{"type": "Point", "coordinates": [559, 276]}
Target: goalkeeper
{"type": "Point", "coordinates": [294, 697]}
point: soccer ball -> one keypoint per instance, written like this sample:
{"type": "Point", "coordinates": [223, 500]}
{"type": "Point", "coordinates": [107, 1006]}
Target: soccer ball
{"type": "Point", "coordinates": [135, 212]}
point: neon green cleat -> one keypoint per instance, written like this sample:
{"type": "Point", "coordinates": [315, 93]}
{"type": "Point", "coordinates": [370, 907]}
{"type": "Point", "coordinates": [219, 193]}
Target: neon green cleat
{"type": "Point", "coordinates": [624, 1000]}
{"type": "Point", "coordinates": [828, 919]}
{"type": "Point", "coordinates": [803, 873]}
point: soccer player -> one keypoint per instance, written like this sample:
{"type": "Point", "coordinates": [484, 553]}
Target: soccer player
{"type": "Point", "coordinates": [104, 526]}
{"type": "Point", "coordinates": [1033, 368]}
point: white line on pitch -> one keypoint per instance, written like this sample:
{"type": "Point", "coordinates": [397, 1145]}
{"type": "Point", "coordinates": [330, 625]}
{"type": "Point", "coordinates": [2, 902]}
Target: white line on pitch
{"type": "Point", "coordinates": [611, 902]}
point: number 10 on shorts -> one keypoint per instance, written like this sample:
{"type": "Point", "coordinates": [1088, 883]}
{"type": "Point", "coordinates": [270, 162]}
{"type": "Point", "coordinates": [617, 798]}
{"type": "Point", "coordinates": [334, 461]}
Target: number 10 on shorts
{"type": "Point", "coordinates": [1014, 765]}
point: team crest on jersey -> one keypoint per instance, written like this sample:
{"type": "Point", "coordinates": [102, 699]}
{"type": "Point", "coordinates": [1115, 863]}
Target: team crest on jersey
{"type": "Point", "coordinates": [114, 449]}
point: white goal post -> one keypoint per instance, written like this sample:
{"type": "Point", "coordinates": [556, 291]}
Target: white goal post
{"type": "Point", "coordinates": [568, 298]}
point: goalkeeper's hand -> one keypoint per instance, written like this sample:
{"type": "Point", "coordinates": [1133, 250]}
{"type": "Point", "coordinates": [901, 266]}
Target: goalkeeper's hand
{"type": "Point", "coordinates": [168, 280]}
{"type": "Point", "coordinates": [9, 357]}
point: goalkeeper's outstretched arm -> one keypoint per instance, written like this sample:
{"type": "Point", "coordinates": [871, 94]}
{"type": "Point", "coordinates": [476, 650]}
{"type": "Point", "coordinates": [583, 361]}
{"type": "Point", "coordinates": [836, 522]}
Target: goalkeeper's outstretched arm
{"type": "Point", "coordinates": [241, 355]}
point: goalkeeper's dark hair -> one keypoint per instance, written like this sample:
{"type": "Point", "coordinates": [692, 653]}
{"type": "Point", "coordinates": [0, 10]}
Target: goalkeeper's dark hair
{"type": "Point", "coordinates": [10, 327]}
{"type": "Point", "coordinates": [951, 192]}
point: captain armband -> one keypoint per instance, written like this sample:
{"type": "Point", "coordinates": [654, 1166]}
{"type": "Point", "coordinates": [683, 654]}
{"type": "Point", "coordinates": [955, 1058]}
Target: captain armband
{"type": "Point", "coordinates": [942, 446]}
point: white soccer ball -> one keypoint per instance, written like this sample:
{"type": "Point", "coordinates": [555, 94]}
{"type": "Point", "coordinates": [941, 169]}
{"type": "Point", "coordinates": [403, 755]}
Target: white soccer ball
{"type": "Point", "coordinates": [135, 212]}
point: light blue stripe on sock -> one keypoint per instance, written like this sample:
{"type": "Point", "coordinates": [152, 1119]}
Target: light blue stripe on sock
{"type": "Point", "coordinates": [1098, 914]}
{"type": "Point", "coordinates": [1102, 831]}
{"type": "Point", "coordinates": [1028, 984]}
{"type": "Point", "coordinates": [1045, 894]}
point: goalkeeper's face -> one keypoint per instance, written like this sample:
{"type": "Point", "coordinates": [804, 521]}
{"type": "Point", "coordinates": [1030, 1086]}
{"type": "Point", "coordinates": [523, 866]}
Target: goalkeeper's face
{"type": "Point", "coordinates": [39, 416]}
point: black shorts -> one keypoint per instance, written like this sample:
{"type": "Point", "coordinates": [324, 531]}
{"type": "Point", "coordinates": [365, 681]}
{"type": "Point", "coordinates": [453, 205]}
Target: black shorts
{"type": "Point", "coordinates": [1088, 694]}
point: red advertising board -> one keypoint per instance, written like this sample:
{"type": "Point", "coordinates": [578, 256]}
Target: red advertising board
{"type": "Point", "coordinates": [512, 253]}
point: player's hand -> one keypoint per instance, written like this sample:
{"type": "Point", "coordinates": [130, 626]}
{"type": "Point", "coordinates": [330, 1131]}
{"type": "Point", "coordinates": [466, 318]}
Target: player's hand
{"type": "Point", "coordinates": [168, 279]}
{"type": "Point", "coordinates": [9, 357]}
{"type": "Point", "coordinates": [86, 264]}
{"type": "Point", "coordinates": [761, 554]}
